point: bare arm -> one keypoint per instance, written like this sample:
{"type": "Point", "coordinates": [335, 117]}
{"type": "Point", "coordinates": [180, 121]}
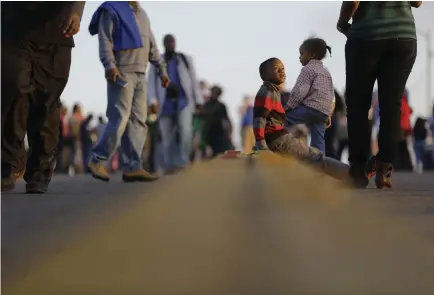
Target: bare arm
{"type": "Point", "coordinates": [416, 4]}
{"type": "Point", "coordinates": [348, 9]}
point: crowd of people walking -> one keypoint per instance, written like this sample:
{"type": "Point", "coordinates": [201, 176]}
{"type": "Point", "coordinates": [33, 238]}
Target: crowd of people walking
{"type": "Point", "coordinates": [164, 119]}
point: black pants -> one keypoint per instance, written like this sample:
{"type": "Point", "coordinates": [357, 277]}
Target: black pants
{"type": "Point", "coordinates": [390, 63]}
{"type": "Point", "coordinates": [33, 76]}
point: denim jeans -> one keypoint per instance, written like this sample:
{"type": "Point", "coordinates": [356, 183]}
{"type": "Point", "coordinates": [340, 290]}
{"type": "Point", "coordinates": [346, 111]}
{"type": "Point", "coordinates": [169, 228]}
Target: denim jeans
{"type": "Point", "coordinates": [419, 147]}
{"type": "Point", "coordinates": [176, 154]}
{"type": "Point", "coordinates": [126, 126]}
{"type": "Point", "coordinates": [390, 63]}
{"type": "Point", "coordinates": [315, 122]}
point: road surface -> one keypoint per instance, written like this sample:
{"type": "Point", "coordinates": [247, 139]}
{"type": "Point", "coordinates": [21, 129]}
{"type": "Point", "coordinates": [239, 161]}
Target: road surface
{"type": "Point", "coordinates": [223, 227]}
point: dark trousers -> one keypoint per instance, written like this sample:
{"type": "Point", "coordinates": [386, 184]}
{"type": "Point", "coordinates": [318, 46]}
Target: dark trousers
{"type": "Point", "coordinates": [33, 76]}
{"type": "Point", "coordinates": [390, 63]}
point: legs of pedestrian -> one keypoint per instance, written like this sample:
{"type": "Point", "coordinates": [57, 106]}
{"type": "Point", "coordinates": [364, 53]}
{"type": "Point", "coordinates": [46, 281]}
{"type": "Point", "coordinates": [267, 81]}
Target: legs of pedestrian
{"type": "Point", "coordinates": [119, 104]}
{"type": "Point", "coordinates": [33, 78]}
{"type": "Point", "coordinates": [185, 125]}
{"type": "Point", "coordinates": [393, 71]}
{"type": "Point", "coordinates": [361, 72]}
{"type": "Point", "coordinates": [167, 141]}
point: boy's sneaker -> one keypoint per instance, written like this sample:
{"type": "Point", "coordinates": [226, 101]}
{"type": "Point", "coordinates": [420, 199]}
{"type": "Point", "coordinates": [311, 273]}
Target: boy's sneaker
{"type": "Point", "coordinates": [140, 175]}
{"type": "Point", "coordinates": [39, 187]}
{"type": "Point", "coordinates": [383, 178]}
{"type": "Point", "coordinates": [371, 167]}
{"type": "Point", "coordinates": [98, 171]}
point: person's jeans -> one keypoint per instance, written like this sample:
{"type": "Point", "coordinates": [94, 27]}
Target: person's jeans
{"type": "Point", "coordinates": [289, 145]}
{"type": "Point", "coordinates": [419, 147]}
{"type": "Point", "coordinates": [314, 120]}
{"type": "Point", "coordinates": [126, 126]}
{"type": "Point", "coordinates": [177, 154]}
{"type": "Point", "coordinates": [390, 63]}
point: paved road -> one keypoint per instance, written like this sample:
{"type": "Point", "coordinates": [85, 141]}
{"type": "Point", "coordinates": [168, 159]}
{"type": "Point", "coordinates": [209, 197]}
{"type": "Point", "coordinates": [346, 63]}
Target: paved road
{"type": "Point", "coordinates": [220, 228]}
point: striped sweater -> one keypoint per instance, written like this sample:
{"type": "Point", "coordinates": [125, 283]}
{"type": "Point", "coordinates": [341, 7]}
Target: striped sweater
{"type": "Point", "coordinates": [268, 115]}
{"type": "Point", "coordinates": [380, 20]}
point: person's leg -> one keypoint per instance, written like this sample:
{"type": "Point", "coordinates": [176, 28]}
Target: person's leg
{"type": "Point", "coordinates": [290, 145]}
{"type": "Point", "coordinates": [17, 88]}
{"type": "Point", "coordinates": [167, 141]}
{"type": "Point", "coordinates": [315, 120]}
{"type": "Point", "coordinates": [394, 69]}
{"type": "Point", "coordinates": [134, 137]}
{"type": "Point", "coordinates": [51, 72]}
{"type": "Point", "coordinates": [185, 125]}
{"type": "Point", "coordinates": [361, 59]}
{"type": "Point", "coordinates": [119, 103]}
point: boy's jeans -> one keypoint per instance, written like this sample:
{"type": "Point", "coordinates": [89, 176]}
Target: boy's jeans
{"type": "Point", "coordinates": [289, 145]}
{"type": "Point", "coordinates": [126, 113]}
{"type": "Point", "coordinates": [315, 122]}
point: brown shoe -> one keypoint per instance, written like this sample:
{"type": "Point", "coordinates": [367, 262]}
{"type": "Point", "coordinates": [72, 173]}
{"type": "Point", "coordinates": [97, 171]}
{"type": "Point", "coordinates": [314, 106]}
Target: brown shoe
{"type": "Point", "coordinates": [383, 178]}
{"type": "Point", "coordinates": [139, 175]}
{"type": "Point", "coordinates": [8, 183]}
{"type": "Point", "coordinates": [98, 171]}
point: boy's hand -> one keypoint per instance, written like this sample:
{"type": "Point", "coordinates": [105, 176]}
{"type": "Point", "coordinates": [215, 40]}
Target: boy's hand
{"type": "Point", "coordinates": [329, 122]}
{"type": "Point", "coordinates": [71, 25]}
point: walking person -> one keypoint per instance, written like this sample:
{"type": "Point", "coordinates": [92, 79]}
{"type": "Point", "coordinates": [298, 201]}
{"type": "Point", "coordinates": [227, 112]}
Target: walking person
{"type": "Point", "coordinates": [35, 61]}
{"type": "Point", "coordinates": [420, 134]}
{"type": "Point", "coordinates": [382, 46]}
{"type": "Point", "coordinates": [126, 44]}
{"type": "Point", "coordinates": [246, 114]}
{"type": "Point", "coordinates": [177, 105]}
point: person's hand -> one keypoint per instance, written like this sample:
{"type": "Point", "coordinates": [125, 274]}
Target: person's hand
{"type": "Point", "coordinates": [343, 27]}
{"type": "Point", "coordinates": [153, 109]}
{"type": "Point", "coordinates": [165, 81]}
{"type": "Point", "coordinates": [71, 25]}
{"type": "Point", "coordinates": [329, 122]}
{"type": "Point", "coordinates": [112, 74]}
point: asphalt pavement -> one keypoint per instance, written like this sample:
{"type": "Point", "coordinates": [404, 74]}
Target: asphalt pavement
{"type": "Point", "coordinates": [223, 227]}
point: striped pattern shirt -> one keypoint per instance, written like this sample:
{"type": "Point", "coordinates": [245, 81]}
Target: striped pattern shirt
{"type": "Point", "coordinates": [382, 20]}
{"type": "Point", "coordinates": [314, 89]}
{"type": "Point", "coordinates": [268, 115]}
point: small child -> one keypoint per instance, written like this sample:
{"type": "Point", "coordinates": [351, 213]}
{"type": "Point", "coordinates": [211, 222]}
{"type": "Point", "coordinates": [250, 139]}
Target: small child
{"type": "Point", "coordinates": [311, 100]}
{"type": "Point", "coordinates": [269, 120]}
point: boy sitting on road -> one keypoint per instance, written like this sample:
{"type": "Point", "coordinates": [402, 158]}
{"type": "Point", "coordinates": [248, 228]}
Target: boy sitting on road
{"type": "Point", "coordinates": [269, 120]}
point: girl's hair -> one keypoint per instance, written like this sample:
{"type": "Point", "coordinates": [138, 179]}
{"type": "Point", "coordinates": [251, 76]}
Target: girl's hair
{"type": "Point", "coordinates": [317, 46]}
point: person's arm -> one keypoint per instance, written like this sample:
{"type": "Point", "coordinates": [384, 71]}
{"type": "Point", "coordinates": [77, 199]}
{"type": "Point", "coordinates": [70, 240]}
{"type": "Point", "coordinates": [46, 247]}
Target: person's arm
{"type": "Point", "coordinates": [300, 89]}
{"type": "Point", "coordinates": [416, 4]}
{"type": "Point", "coordinates": [348, 8]}
{"type": "Point", "coordinates": [196, 87]}
{"type": "Point", "coordinates": [152, 87]}
{"type": "Point", "coordinates": [105, 38]}
{"type": "Point", "coordinates": [154, 54]}
{"type": "Point", "coordinates": [261, 110]}
{"type": "Point", "coordinates": [78, 7]}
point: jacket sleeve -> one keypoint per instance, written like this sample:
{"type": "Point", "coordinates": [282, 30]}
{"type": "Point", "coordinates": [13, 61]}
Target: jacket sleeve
{"type": "Point", "coordinates": [152, 86]}
{"type": "Point", "coordinates": [196, 88]}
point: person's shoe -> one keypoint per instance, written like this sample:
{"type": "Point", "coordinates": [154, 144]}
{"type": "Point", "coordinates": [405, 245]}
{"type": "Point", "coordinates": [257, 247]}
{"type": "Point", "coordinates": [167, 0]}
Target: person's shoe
{"type": "Point", "coordinates": [99, 171]}
{"type": "Point", "coordinates": [139, 175]}
{"type": "Point", "coordinates": [383, 178]}
{"type": "Point", "coordinates": [358, 176]}
{"type": "Point", "coordinates": [371, 167]}
{"type": "Point", "coordinates": [8, 183]}
{"type": "Point", "coordinates": [39, 187]}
